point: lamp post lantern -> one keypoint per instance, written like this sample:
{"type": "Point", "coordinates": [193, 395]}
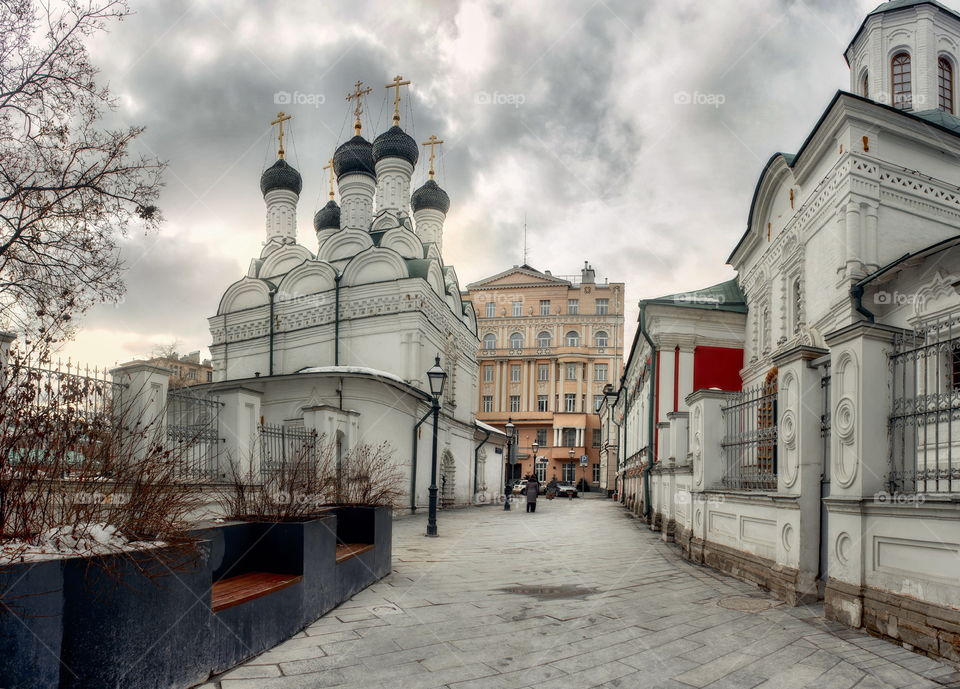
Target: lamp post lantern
{"type": "Point", "coordinates": [573, 454]}
{"type": "Point", "coordinates": [536, 460]}
{"type": "Point", "coordinates": [437, 377]}
{"type": "Point", "coordinates": [509, 427]}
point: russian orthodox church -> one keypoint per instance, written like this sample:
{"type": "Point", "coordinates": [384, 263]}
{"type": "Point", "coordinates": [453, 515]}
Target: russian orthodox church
{"type": "Point", "coordinates": [337, 337]}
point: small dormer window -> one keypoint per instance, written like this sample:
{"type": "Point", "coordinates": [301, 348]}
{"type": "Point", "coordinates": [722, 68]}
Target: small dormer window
{"type": "Point", "coordinates": [901, 81]}
{"type": "Point", "coordinates": [945, 84]}
{"type": "Point", "coordinates": [865, 85]}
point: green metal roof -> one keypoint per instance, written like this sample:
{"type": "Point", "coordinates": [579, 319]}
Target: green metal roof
{"type": "Point", "coordinates": [940, 117]}
{"type": "Point", "coordinates": [725, 296]}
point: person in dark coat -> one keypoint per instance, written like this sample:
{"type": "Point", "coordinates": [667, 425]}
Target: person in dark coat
{"type": "Point", "coordinates": [532, 490]}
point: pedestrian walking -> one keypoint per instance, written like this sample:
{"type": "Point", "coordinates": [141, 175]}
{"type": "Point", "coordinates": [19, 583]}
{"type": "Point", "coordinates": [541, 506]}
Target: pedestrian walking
{"type": "Point", "coordinates": [533, 490]}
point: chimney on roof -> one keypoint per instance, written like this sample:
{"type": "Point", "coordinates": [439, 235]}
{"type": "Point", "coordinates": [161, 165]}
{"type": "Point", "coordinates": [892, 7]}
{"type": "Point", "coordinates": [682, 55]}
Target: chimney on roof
{"type": "Point", "coordinates": [588, 275]}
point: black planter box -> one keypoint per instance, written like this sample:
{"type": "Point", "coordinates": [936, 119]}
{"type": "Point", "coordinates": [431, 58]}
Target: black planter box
{"type": "Point", "coordinates": [31, 624]}
{"type": "Point", "coordinates": [369, 525]}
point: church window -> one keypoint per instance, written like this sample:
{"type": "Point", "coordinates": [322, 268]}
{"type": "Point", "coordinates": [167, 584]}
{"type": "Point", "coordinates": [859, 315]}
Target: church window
{"type": "Point", "coordinates": [600, 371]}
{"type": "Point", "coordinates": [489, 341]}
{"type": "Point", "coordinates": [488, 374]}
{"type": "Point", "coordinates": [544, 307]}
{"type": "Point", "coordinates": [573, 306]}
{"type": "Point", "coordinates": [571, 372]}
{"type": "Point", "coordinates": [514, 402]}
{"type": "Point", "coordinates": [570, 406]}
{"type": "Point", "coordinates": [603, 307]}
{"type": "Point", "coordinates": [901, 81]}
{"type": "Point", "coordinates": [518, 308]}
{"type": "Point", "coordinates": [488, 403]}
{"type": "Point", "coordinates": [573, 339]}
{"type": "Point", "coordinates": [491, 309]}
{"type": "Point", "coordinates": [543, 339]}
{"type": "Point", "coordinates": [865, 85]}
{"type": "Point", "coordinates": [945, 84]}
{"type": "Point", "coordinates": [514, 373]}
{"type": "Point", "coordinates": [542, 404]}
{"type": "Point", "coordinates": [543, 372]}
{"type": "Point", "coordinates": [516, 341]}
{"type": "Point", "coordinates": [601, 338]}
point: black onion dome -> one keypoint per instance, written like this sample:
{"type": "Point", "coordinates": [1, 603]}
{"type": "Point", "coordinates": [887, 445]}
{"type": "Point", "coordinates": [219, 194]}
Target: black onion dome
{"type": "Point", "coordinates": [281, 175]}
{"type": "Point", "coordinates": [396, 143]}
{"type": "Point", "coordinates": [327, 217]}
{"type": "Point", "coordinates": [430, 195]}
{"type": "Point", "coordinates": [354, 157]}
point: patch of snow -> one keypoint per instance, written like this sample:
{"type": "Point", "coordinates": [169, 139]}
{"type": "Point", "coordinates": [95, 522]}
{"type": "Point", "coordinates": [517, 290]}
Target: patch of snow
{"type": "Point", "coordinates": [78, 540]}
{"type": "Point", "coordinates": [353, 369]}
{"type": "Point", "coordinates": [488, 427]}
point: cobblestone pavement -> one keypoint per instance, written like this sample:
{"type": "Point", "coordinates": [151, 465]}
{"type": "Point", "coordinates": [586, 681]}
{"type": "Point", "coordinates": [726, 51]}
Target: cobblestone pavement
{"type": "Point", "coordinates": [578, 594]}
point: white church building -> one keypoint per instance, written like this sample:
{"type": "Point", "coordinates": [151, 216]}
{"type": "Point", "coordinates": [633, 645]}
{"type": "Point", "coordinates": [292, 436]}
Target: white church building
{"type": "Point", "coordinates": [835, 473]}
{"type": "Point", "coordinates": [337, 337]}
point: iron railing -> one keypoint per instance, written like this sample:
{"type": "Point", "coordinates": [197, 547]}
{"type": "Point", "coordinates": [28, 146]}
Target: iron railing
{"type": "Point", "coordinates": [925, 418]}
{"type": "Point", "coordinates": [193, 434]}
{"type": "Point", "coordinates": [749, 444]}
{"type": "Point", "coordinates": [288, 448]}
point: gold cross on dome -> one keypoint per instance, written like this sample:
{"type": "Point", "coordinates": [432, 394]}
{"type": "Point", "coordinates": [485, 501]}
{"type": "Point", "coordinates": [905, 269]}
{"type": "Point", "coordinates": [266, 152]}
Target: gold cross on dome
{"type": "Point", "coordinates": [281, 118]}
{"type": "Point", "coordinates": [357, 94]}
{"type": "Point", "coordinates": [329, 166]}
{"type": "Point", "coordinates": [396, 84]}
{"type": "Point", "coordinates": [432, 142]}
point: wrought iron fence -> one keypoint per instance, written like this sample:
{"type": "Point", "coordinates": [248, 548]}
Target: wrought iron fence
{"type": "Point", "coordinates": [287, 448]}
{"type": "Point", "coordinates": [193, 432]}
{"type": "Point", "coordinates": [925, 418]}
{"type": "Point", "coordinates": [749, 444]}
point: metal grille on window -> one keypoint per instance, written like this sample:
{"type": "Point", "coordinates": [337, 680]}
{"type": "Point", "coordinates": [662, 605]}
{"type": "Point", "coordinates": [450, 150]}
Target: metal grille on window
{"type": "Point", "coordinates": [925, 423]}
{"type": "Point", "coordinates": [749, 444]}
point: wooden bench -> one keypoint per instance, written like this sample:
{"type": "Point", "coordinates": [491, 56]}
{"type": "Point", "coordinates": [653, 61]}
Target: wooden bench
{"type": "Point", "coordinates": [245, 587]}
{"type": "Point", "coordinates": [347, 550]}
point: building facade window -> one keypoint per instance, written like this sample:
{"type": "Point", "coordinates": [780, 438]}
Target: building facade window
{"type": "Point", "coordinates": [597, 401]}
{"type": "Point", "coordinates": [542, 437]}
{"type": "Point", "coordinates": [571, 372]}
{"type": "Point", "coordinates": [945, 84]}
{"type": "Point", "coordinates": [600, 372]}
{"type": "Point", "coordinates": [573, 339]}
{"type": "Point", "coordinates": [601, 338]}
{"type": "Point", "coordinates": [489, 341]}
{"type": "Point", "coordinates": [516, 341]}
{"type": "Point", "coordinates": [570, 403]}
{"type": "Point", "coordinates": [901, 81]}
{"type": "Point", "coordinates": [569, 472]}
{"type": "Point", "coordinates": [595, 438]}
{"type": "Point", "coordinates": [488, 403]}
{"type": "Point", "coordinates": [596, 473]}
{"type": "Point", "coordinates": [514, 402]}
{"type": "Point", "coordinates": [542, 404]}
{"type": "Point", "coordinates": [541, 473]}
{"type": "Point", "coordinates": [603, 307]}
{"type": "Point", "coordinates": [518, 308]}
{"type": "Point", "coordinates": [573, 306]}
{"type": "Point", "coordinates": [491, 309]}
{"type": "Point", "coordinates": [543, 372]}
{"type": "Point", "coordinates": [865, 85]}
{"type": "Point", "coordinates": [569, 437]}
{"type": "Point", "coordinates": [514, 373]}
{"type": "Point", "coordinates": [543, 339]}
{"type": "Point", "coordinates": [544, 307]}
{"type": "Point", "coordinates": [488, 374]}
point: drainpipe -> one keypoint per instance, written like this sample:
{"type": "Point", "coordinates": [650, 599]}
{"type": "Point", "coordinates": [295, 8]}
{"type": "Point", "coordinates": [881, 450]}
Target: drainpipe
{"type": "Point", "coordinates": [336, 319]}
{"type": "Point", "coordinates": [650, 410]}
{"type": "Point", "coordinates": [622, 459]}
{"type": "Point", "coordinates": [273, 294]}
{"type": "Point", "coordinates": [413, 465]}
{"type": "Point", "coordinates": [476, 460]}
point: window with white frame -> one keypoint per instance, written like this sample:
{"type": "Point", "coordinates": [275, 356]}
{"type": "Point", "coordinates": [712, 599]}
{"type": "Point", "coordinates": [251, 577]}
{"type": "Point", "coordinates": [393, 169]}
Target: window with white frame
{"type": "Point", "coordinates": [573, 306]}
{"type": "Point", "coordinates": [488, 403]}
{"type": "Point", "coordinates": [569, 472]}
{"type": "Point", "coordinates": [597, 401]}
{"type": "Point", "coordinates": [514, 373]}
{"type": "Point", "coordinates": [901, 81]}
{"type": "Point", "coordinates": [600, 372]}
{"type": "Point", "coordinates": [570, 403]}
{"type": "Point", "coordinates": [544, 307]}
{"type": "Point", "coordinates": [601, 338]}
{"type": "Point", "coordinates": [596, 473]}
{"type": "Point", "coordinates": [542, 437]}
{"type": "Point", "coordinates": [491, 309]}
{"type": "Point", "coordinates": [573, 339]}
{"type": "Point", "coordinates": [518, 308]}
{"type": "Point", "coordinates": [543, 372]}
{"type": "Point", "coordinates": [542, 404]}
{"type": "Point", "coordinates": [489, 341]}
{"type": "Point", "coordinates": [488, 374]}
{"type": "Point", "coordinates": [516, 341]}
{"type": "Point", "coordinates": [595, 437]}
{"type": "Point", "coordinates": [603, 307]}
{"type": "Point", "coordinates": [543, 339]}
{"type": "Point", "coordinates": [945, 84]}
{"type": "Point", "coordinates": [571, 371]}
{"type": "Point", "coordinates": [514, 402]}
{"type": "Point", "coordinates": [569, 437]}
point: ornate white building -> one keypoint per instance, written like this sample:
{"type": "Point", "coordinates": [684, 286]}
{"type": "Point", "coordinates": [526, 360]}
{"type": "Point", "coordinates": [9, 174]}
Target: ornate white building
{"type": "Point", "coordinates": [337, 337]}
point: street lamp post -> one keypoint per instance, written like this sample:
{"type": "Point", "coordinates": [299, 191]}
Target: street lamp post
{"type": "Point", "coordinates": [506, 482]}
{"type": "Point", "coordinates": [536, 460]}
{"type": "Point", "coordinates": [437, 377]}
{"type": "Point", "coordinates": [573, 454]}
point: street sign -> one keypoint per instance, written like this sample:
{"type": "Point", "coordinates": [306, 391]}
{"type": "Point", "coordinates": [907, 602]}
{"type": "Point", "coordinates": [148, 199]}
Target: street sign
{"type": "Point", "coordinates": [583, 460]}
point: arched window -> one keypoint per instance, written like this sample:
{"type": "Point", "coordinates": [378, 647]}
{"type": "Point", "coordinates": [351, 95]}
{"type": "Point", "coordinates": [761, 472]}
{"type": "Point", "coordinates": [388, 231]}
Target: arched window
{"type": "Point", "coordinates": [573, 339]}
{"type": "Point", "coordinates": [945, 84]}
{"type": "Point", "coordinates": [901, 81]}
{"type": "Point", "coordinates": [865, 85]}
{"type": "Point", "coordinates": [489, 341]}
{"type": "Point", "coordinates": [516, 341]}
{"type": "Point", "coordinates": [543, 339]}
{"type": "Point", "coordinates": [601, 338]}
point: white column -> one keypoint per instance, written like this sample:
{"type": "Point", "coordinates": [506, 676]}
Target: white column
{"type": "Point", "coordinates": [853, 244]}
{"type": "Point", "coordinates": [281, 215]}
{"type": "Point", "coordinates": [393, 184]}
{"type": "Point", "coordinates": [143, 403]}
{"type": "Point", "coordinates": [239, 424]}
{"type": "Point", "coordinates": [356, 201]}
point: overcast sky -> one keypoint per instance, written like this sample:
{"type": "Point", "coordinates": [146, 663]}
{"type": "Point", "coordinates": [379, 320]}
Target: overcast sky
{"type": "Point", "coordinates": [629, 133]}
